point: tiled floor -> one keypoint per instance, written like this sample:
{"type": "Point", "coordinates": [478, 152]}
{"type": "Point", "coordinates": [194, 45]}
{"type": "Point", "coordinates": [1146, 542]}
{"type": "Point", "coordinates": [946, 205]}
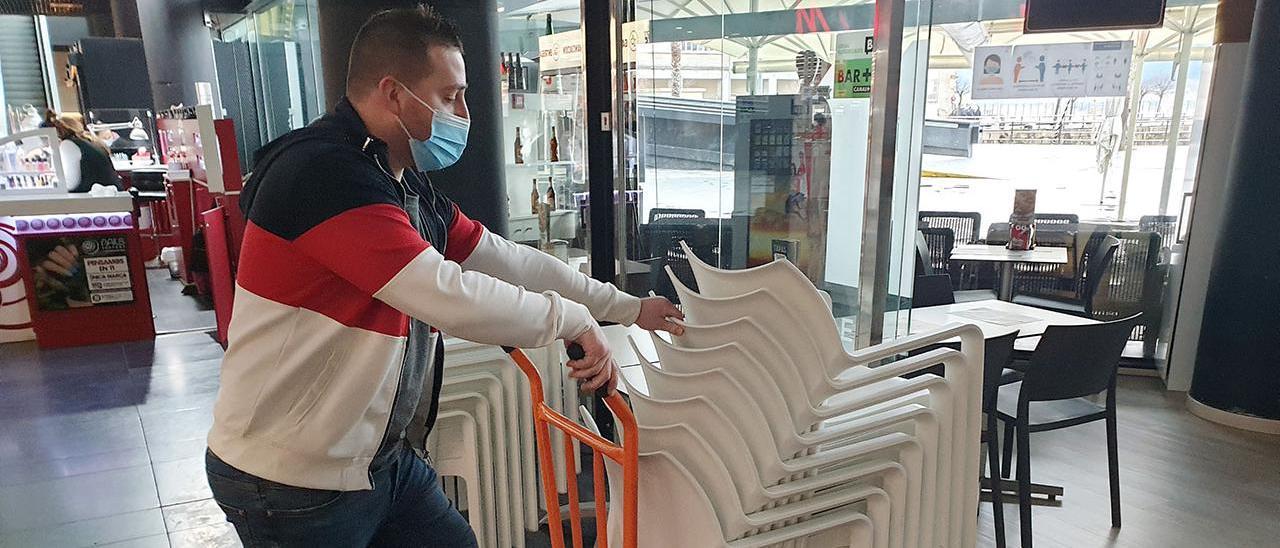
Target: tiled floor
{"type": "Point", "coordinates": [173, 310]}
{"type": "Point", "coordinates": [102, 446]}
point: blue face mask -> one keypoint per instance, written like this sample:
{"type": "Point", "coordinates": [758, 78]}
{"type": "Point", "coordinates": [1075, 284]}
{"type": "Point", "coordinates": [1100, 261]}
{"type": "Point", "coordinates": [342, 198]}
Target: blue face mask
{"type": "Point", "coordinates": [448, 138]}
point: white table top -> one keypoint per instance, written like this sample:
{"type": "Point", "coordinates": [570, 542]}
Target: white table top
{"type": "Point", "coordinates": [993, 317]}
{"type": "Point", "coordinates": [999, 254]}
{"type": "Point", "coordinates": [58, 203]}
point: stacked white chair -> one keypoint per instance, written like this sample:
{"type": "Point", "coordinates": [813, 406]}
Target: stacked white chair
{"type": "Point", "coordinates": [484, 437]}
{"type": "Point", "coordinates": [758, 410]}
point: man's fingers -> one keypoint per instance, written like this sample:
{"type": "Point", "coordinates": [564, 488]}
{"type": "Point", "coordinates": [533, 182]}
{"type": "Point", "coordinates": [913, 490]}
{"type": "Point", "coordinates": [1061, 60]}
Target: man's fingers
{"type": "Point", "coordinates": [594, 370]}
{"type": "Point", "coordinates": [673, 328]}
{"type": "Point", "coordinates": [613, 381]}
{"type": "Point", "coordinates": [605, 376]}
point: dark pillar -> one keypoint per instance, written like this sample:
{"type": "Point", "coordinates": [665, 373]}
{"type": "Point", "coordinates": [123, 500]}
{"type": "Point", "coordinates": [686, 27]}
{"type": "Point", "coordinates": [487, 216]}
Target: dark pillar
{"type": "Point", "coordinates": [477, 181]}
{"type": "Point", "coordinates": [339, 21]}
{"type": "Point", "coordinates": [179, 49]}
{"type": "Point", "coordinates": [124, 19]}
{"type": "Point", "coordinates": [1238, 360]}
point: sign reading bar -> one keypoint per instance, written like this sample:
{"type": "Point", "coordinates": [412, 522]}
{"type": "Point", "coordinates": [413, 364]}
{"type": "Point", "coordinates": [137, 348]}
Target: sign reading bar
{"type": "Point", "coordinates": [1088, 69]}
{"type": "Point", "coordinates": [853, 65]}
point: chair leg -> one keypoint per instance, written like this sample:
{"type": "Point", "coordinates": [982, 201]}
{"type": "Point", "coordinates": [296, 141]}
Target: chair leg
{"type": "Point", "coordinates": [1024, 484]}
{"type": "Point", "coordinates": [1006, 468]}
{"type": "Point", "coordinates": [997, 494]}
{"type": "Point", "coordinates": [1113, 463]}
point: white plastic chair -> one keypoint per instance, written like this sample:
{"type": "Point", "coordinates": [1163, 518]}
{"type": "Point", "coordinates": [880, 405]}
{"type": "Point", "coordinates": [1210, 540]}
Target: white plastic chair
{"type": "Point", "coordinates": [516, 412]}
{"type": "Point", "coordinates": [458, 457]}
{"type": "Point", "coordinates": [477, 407]}
{"type": "Point", "coordinates": [764, 405]}
{"type": "Point", "coordinates": [670, 494]}
{"type": "Point", "coordinates": [845, 371]}
{"type": "Point", "coordinates": [752, 454]}
{"type": "Point", "coordinates": [481, 394]}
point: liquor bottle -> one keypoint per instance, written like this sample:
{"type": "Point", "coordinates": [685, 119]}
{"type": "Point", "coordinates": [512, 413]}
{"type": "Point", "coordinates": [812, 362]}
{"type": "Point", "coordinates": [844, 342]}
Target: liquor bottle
{"type": "Point", "coordinates": [555, 145]}
{"type": "Point", "coordinates": [534, 198]}
{"type": "Point", "coordinates": [551, 194]}
{"type": "Point", "coordinates": [519, 147]}
{"type": "Point", "coordinates": [511, 71]}
{"type": "Point", "coordinates": [519, 72]}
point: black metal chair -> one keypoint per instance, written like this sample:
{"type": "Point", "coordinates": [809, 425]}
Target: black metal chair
{"type": "Point", "coordinates": [1164, 225]}
{"type": "Point", "coordinates": [663, 239]}
{"type": "Point", "coordinates": [941, 241]}
{"type": "Point", "coordinates": [1040, 279]}
{"type": "Point", "coordinates": [1070, 364]}
{"type": "Point", "coordinates": [997, 355]}
{"type": "Point", "coordinates": [1135, 284]}
{"type": "Point", "coordinates": [932, 290]}
{"type": "Point", "coordinates": [963, 224]}
{"type": "Point", "coordinates": [1098, 256]}
{"type": "Point", "coordinates": [659, 213]}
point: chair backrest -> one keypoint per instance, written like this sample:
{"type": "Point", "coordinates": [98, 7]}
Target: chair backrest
{"type": "Point", "coordinates": [1043, 219]}
{"type": "Point", "coordinates": [998, 234]}
{"type": "Point", "coordinates": [741, 396]}
{"type": "Point", "coordinates": [1164, 225]}
{"type": "Point", "coordinates": [924, 266]}
{"type": "Point", "coordinates": [964, 224]}
{"type": "Point", "coordinates": [780, 275]}
{"type": "Point", "coordinates": [932, 290]}
{"type": "Point", "coordinates": [767, 359]}
{"type": "Point", "coordinates": [1098, 262]}
{"type": "Point", "coordinates": [997, 353]}
{"type": "Point", "coordinates": [940, 243]}
{"type": "Point", "coordinates": [1073, 361]}
{"type": "Point", "coordinates": [659, 213]}
{"type": "Point", "coordinates": [802, 307]}
{"type": "Point", "coordinates": [1134, 267]}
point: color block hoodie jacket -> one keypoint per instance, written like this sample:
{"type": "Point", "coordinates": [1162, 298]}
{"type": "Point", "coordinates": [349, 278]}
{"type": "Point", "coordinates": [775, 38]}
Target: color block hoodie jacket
{"type": "Point", "coordinates": [345, 276]}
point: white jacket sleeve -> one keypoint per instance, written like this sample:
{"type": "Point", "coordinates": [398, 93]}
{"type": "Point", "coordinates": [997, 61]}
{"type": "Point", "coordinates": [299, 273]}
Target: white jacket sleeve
{"type": "Point", "coordinates": [481, 308]}
{"type": "Point", "coordinates": [538, 271]}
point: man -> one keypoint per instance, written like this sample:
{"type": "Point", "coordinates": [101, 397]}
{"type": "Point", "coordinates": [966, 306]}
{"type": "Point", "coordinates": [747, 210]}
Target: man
{"type": "Point", "coordinates": [351, 261]}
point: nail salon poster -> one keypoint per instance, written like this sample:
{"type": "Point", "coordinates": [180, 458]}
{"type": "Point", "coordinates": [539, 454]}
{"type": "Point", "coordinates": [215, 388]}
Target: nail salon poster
{"type": "Point", "coordinates": [80, 271]}
{"type": "Point", "coordinates": [1089, 69]}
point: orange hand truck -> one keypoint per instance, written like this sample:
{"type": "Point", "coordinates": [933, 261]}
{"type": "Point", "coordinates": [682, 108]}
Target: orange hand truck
{"type": "Point", "coordinates": [626, 455]}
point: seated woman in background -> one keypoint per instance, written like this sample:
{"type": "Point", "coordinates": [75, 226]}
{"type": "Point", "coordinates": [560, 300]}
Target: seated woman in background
{"type": "Point", "coordinates": [85, 158]}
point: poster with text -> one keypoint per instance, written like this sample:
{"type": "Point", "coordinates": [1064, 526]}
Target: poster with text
{"type": "Point", "coordinates": [992, 72]}
{"type": "Point", "coordinates": [80, 271]}
{"type": "Point", "coordinates": [1084, 69]}
{"type": "Point", "coordinates": [853, 65]}
{"type": "Point", "coordinates": [1110, 70]}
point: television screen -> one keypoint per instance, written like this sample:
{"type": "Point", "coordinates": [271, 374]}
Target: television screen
{"type": "Point", "coordinates": [1074, 15]}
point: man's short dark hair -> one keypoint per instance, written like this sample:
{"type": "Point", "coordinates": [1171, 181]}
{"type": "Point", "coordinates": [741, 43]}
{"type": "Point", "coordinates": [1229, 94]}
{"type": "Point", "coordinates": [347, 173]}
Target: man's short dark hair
{"type": "Point", "coordinates": [395, 43]}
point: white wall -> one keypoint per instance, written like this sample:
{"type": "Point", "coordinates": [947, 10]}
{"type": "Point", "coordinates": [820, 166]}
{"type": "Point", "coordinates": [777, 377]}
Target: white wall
{"type": "Point", "coordinates": [1206, 219]}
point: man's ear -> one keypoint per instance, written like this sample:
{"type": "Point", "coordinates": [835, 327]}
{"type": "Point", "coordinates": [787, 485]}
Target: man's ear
{"type": "Point", "coordinates": [389, 92]}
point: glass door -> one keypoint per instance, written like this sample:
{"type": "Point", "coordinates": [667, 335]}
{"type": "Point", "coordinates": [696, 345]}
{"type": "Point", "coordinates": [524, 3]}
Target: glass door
{"type": "Point", "coordinates": [758, 130]}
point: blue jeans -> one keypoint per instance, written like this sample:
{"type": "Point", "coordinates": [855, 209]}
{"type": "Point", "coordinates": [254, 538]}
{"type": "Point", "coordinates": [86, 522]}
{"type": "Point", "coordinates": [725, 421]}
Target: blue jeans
{"type": "Point", "coordinates": [406, 508]}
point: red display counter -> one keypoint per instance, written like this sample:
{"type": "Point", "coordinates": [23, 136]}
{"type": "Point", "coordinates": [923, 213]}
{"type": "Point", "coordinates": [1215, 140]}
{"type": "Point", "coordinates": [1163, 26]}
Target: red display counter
{"type": "Point", "coordinates": [81, 263]}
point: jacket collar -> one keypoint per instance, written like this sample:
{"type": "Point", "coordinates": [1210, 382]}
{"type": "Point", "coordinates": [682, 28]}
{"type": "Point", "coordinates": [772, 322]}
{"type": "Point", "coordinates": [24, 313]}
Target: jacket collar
{"type": "Point", "coordinates": [346, 121]}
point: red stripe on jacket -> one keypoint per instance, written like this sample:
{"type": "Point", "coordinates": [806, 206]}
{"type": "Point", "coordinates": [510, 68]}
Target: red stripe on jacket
{"type": "Point", "coordinates": [335, 268]}
{"type": "Point", "coordinates": [464, 236]}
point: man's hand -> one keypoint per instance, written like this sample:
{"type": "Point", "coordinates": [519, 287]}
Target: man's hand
{"type": "Point", "coordinates": [656, 314]}
{"type": "Point", "coordinates": [597, 367]}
